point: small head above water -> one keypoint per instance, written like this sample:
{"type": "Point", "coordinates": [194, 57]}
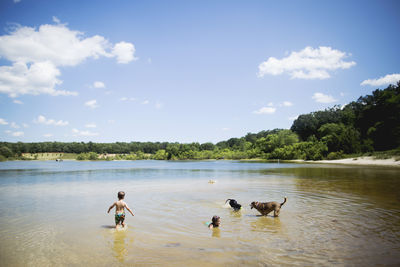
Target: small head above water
{"type": "Point", "coordinates": [216, 221]}
{"type": "Point", "coordinates": [121, 195]}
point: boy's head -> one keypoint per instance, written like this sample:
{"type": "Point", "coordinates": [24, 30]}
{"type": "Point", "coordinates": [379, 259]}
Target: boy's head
{"type": "Point", "coordinates": [216, 220]}
{"type": "Point", "coordinates": [121, 195]}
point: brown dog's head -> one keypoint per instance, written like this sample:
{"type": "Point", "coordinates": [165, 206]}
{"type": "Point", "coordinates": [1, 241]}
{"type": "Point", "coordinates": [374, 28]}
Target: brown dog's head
{"type": "Point", "coordinates": [253, 204]}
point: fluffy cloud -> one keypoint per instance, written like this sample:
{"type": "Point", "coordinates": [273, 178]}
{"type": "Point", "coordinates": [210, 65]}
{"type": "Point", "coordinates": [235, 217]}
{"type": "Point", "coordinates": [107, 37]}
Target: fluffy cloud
{"type": "Point", "coordinates": [308, 63]}
{"type": "Point", "coordinates": [17, 102]}
{"type": "Point", "coordinates": [48, 135]}
{"type": "Point", "coordinates": [42, 120]}
{"type": "Point", "coordinates": [3, 122]}
{"type": "Point", "coordinates": [14, 125]}
{"type": "Point", "coordinates": [388, 79]}
{"type": "Point", "coordinates": [38, 78]}
{"type": "Point", "coordinates": [36, 55]}
{"type": "Point", "coordinates": [15, 134]}
{"type": "Point", "coordinates": [124, 52]}
{"type": "Point", "coordinates": [321, 98]}
{"type": "Point", "coordinates": [76, 132]}
{"type": "Point", "coordinates": [145, 102]}
{"type": "Point", "coordinates": [265, 110]}
{"type": "Point", "coordinates": [91, 103]}
{"type": "Point", "coordinates": [287, 104]}
{"type": "Point", "coordinates": [90, 125]}
{"type": "Point", "coordinates": [98, 84]}
{"type": "Point", "coordinates": [127, 99]}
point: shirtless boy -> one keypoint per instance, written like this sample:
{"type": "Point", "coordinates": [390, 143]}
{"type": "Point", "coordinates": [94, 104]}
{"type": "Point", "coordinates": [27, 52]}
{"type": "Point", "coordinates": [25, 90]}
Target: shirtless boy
{"type": "Point", "coordinates": [119, 209]}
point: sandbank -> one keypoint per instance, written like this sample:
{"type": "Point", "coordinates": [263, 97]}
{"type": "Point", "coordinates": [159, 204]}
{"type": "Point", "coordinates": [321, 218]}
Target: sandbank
{"type": "Point", "coordinates": [369, 161]}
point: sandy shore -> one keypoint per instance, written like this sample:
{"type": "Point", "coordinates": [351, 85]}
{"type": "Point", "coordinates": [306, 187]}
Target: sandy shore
{"type": "Point", "coordinates": [362, 161]}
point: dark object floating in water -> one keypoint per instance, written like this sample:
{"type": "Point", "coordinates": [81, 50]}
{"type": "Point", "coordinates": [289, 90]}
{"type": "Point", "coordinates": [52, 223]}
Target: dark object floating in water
{"type": "Point", "coordinates": [172, 245]}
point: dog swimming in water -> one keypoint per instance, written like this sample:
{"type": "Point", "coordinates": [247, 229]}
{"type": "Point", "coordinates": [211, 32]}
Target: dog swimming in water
{"type": "Point", "coordinates": [233, 203]}
{"type": "Point", "coordinates": [266, 207]}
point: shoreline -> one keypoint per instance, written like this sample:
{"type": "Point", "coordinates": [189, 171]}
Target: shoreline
{"type": "Point", "coordinates": [359, 161]}
{"type": "Point", "coordinates": [356, 161]}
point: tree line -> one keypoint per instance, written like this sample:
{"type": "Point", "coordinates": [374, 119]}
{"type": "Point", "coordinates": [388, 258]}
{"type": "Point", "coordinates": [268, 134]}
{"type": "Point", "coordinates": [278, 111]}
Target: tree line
{"type": "Point", "coordinates": [371, 123]}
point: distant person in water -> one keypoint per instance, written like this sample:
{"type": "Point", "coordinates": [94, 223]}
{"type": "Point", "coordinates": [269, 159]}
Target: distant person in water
{"type": "Point", "coordinates": [120, 206]}
{"type": "Point", "coordinates": [215, 222]}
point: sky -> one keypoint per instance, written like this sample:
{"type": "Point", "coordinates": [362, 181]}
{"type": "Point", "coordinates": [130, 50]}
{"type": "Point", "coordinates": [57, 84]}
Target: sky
{"type": "Point", "coordinates": [185, 71]}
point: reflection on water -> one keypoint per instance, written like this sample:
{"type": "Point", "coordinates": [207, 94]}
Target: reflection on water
{"type": "Point", "coordinates": [216, 232]}
{"type": "Point", "coordinates": [54, 214]}
{"type": "Point", "coordinates": [266, 224]}
{"type": "Point", "coordinates": [120, 244]}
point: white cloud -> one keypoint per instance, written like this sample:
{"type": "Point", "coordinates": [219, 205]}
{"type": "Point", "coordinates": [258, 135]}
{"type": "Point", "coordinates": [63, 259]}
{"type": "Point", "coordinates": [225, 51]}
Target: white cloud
{"type": "Point", "coordinates": [145, 102]}
{"type": "Point", "coordinates": [17, 1]}
{"type": "Point", "coordinates": [90, 125]}
{"type": "Point", "coordinates": [42, 120]}
{"type": "Point", "coordinates": [293, 118]}
{"type": "Point", "coordinates": [17, 102]}
{"type": "Point", "coordinates": [388, 79]}
{"type": "Point", "coordinates": [36, 55]}
{"type": "Point", "coordinates": [92, 103]}
{"type": "Point", "coordinates": [287, 104]}
{"type": "Point", "coordinates": [25, 125]}
{"type": "Point", "coordinates": [270, 104]}
{"type": "Point", "coordinates": [149, 60]}
{"type": "Point", "coordinates": [48, 135]}
{"type": "Point", "coordinates": [98, 84]}
{"type": "Point", "coordinates": [111, 121]}
{"type": "Point", "coordinates": [76, 132]}
{"type": "Point", "coordinates": [16, 134]}
{"type": "Point", "coordinates": [265, 110]}
{"type": "Point", "coordinates": [36, 78]}
{"type": "Point", "coordinates": [3, 122]}
{"type": "Point", "coordinates": [321, 98]}
{"type": "Point", "coordinates": [127, 98]}
{"type": "Point", "coordinates": [14, 125]}
{"type": "Point", "coordinates": [56, 20]}
{"type": "Point", "coordinates": [124, 52]}
{"type": "Point", "coordinates": [308, 63]}
{"type": "Point", "coordinates": [225, 129]}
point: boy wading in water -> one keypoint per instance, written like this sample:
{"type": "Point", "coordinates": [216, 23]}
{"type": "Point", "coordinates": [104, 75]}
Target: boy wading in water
{"type": "Point", "coordinates": [120, 206]}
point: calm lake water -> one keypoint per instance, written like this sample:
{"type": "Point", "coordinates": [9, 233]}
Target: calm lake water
{"type": "Point", "coordinates": [55, 214]}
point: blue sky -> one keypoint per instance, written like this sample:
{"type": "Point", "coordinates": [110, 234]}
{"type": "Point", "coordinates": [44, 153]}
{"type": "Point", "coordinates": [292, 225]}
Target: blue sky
{"type": "Point", "coordinates": [186, 71]}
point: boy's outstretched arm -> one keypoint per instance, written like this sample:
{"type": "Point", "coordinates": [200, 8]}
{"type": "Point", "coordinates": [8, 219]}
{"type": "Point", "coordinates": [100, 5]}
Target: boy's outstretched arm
{"type": "Point", "coordinates": [126, 206]}
{"type": "Point", "coordinates": [112, 206]}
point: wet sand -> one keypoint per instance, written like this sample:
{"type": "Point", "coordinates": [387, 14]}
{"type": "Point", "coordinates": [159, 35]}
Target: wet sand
{"type": "Point", "coordinates": [365, 161]}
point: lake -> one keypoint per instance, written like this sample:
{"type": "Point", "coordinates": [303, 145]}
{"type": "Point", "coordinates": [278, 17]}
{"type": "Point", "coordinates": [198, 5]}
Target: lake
{"type": "Point", "coordinates": [55, 214]}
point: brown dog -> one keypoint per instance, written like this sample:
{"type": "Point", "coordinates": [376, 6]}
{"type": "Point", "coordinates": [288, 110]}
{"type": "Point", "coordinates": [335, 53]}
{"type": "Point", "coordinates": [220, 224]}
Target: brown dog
{"type": "Point", "coordinates": [266, 207]}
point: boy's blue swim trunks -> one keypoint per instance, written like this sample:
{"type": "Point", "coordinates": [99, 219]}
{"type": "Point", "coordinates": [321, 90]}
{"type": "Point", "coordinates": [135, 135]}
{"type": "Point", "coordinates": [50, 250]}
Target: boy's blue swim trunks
{"type": "Point", "coordinates": [119, 217]}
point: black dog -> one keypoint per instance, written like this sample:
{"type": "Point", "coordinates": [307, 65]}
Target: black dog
{"type": "Point", "coordinates": [233, 203]}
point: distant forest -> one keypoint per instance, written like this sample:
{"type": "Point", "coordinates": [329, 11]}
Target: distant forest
{"type": "Point", "coordinates": [372, 123]}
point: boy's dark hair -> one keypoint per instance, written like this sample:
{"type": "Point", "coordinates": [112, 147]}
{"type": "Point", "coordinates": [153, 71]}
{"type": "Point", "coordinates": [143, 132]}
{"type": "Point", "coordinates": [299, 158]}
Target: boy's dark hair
{"type": "Point", "coordinates": [214, 219]}
{"type": "Point", "coordinates": [121, 195]}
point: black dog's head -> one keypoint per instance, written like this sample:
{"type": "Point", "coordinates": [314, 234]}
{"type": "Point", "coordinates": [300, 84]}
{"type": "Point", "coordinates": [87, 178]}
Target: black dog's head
{"type": "Point", "coordinates": [233, 203]}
